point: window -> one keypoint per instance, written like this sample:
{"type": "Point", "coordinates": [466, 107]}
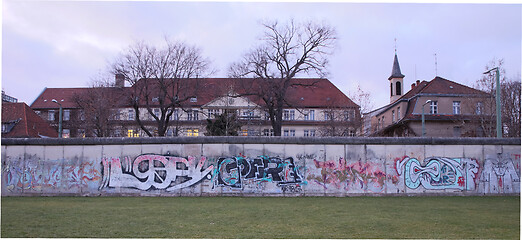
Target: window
{"type": "Point", "coordinates": [66, 133]}
{"type": "Point", "coordinates": [175, 115]}
{"type": "Point", "coordinates": [456, 107]}
{"type": "Point", "coordinates": [157, 112]}
{"type": "Point", "coordinates": [116, 113]}
{"type": "Point", "coordinates": [132, 133]}
{"type": "Point", "coordinates": [310, 115]}
{"type": "Point", "coordinates": [292, 132]}
{"type": "Point", "coordinates": [50, 115]}
{"type": "Point", "coordinates": [194, 99]}
{"type": "Point", "coordinates": [328, 116]}
{"type": "Point", "coordinates": [286, 132]}
{"type": "Point", "coordinates": [82, 115]}
{"type": "Point", "coordinates": [212, 113]}
{"type": "Point", "coordinates": [248, 113]}
{"type": "Point", "coordinates": [130, 116]}
{"type": "Point", "coordinates": [4, 128]}
{"type": "Point", "coordinates": [347, 115]}
{"type": "Point", "coordinates": [457, 131]}
{"type": "Point", "coordinates": [192, 132]}
{"type": "Point", "coordinates": [479, 109]}
{"type": "Point", "coordinates": [268, 132]}
{"type": "Point", "coordinates": [398, 89]}
{"type": "Point", "coordinates": [398, 113]}
{"type": "Point", "coordinates": [244, 132]}
{"type": "Point", "coordinates": [351, 133]}
{"type": "Point", "coordinates": [193, 115]}
{"type": "Point", "coordinates": [66, 115]}
{"type": "Point", "coordinates": [433, 107]}
{"type": "Point", "coordinates": [309, 132]}
{"type": "Point", "coordinates": [289, 115]}
{"type": "Point", "coordinates": [80, 133]}
{"type": "Point", "coordinates": [393, 116]}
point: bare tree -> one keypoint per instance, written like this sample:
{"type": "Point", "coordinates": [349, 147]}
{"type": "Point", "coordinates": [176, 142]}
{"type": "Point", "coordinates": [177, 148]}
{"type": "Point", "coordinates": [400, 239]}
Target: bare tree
{"type": "Point", "coordinates": [288, 51]}
{"type": "Point", "coordinates": [339, 121]}
{"type": "Point", "coordinates": [364, 100]}
{"type": "Point", "coordinates": [98, 104]}
{"type": "Point", "coordinates": [509, 99]}
{"type": "Point", "coordinates": [163, 80]}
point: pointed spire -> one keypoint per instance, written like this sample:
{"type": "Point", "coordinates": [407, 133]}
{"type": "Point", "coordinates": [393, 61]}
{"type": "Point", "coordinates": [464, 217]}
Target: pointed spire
{"type": "Point", "coordinates": [396, 70]}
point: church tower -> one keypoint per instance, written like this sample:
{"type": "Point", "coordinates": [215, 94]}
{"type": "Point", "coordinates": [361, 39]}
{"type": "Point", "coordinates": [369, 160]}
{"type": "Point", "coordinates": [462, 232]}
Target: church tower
{"type": "Point", "coordinates": [396, 78]}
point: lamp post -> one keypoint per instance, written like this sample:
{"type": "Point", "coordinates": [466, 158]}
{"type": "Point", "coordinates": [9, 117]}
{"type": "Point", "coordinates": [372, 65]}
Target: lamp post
{"type": "Point", "coordinates": [423, 121]}
{"type": "Point", "coordinates": [497, 100]}
{"type": "Point", "coordinates": [59, 119]}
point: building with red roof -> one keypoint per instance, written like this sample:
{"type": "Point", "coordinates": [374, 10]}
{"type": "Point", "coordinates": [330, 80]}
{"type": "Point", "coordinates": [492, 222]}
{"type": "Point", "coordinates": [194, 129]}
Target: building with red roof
{"type": "Point", "coordinates": [450, 109]}
{"type": "Point", "coordinates": [20, 121]}
{"type": "Point", "coordinates": [313, 106]}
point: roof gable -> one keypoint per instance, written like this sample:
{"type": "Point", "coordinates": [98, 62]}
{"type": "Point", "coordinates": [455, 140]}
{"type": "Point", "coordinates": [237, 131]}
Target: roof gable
{"type": "Point", "coordinates": [26, 122]}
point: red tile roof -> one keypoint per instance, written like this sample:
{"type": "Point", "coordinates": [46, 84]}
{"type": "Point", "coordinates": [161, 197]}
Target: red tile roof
{"type": "Point", "coordinates": [311, 93]}
{"type": "Point", "coordinates": [27, 123]}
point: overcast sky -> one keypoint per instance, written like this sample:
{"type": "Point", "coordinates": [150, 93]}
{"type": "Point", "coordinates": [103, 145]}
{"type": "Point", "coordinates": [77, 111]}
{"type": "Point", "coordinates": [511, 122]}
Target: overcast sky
{"type": "Point", "coordinates": [64, 44]}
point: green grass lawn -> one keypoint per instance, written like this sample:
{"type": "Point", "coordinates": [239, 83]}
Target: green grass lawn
{"type": "Point", "coordinates": [237, 217]}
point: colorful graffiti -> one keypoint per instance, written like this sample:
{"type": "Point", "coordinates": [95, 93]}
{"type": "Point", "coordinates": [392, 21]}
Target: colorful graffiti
{"type": "Point", "coordinates": [356, 175]}
{"type": "Point", "coordinates": [151, 171]}
{"type": "Point", "coordinates": [438, 173]}
{"type": "Point", "coordinates": [36, 176]}
{"type": "Point", "coordinates": [233, 171]}
{"type": "Point", "coordinates": [499, 175]}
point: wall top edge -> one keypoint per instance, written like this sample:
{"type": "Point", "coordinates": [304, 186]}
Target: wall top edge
{"type": "Point", "coordinates": [265, 140]}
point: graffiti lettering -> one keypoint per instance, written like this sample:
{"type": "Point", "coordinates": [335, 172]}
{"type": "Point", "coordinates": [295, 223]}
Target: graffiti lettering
{"type": "Point", "coordinates": [153, 171]}
{"type": "Point", "coordinates": [348, 176]}
{"type": "Point", "coordinates": [231, 171]}
{"type": "Point", "coordinates": [438, 172]}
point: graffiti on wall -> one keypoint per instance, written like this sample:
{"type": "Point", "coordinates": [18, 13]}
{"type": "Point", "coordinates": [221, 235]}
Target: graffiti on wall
{"type": "Point", "coordinates": [356, 175]}
{"type": "Point", "coordinates": [35, 176]}
{"type": "Point", "coordinates": [152, 171]}
{"type": "Point", "coordinates": [499, 175]}
{"type": "Point", "coordinates": [234, 171]}
{"type": "Point", "coordinates": [438, 172]}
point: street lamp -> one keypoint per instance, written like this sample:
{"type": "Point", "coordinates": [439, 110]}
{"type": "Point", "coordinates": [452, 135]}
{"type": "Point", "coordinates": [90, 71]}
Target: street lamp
{"type": "Point", "coordinates": [497, 98]}
{"type": "Point", "coordinates": [423, 124]}
{"type": "Point", "coordinates": [59, 119]}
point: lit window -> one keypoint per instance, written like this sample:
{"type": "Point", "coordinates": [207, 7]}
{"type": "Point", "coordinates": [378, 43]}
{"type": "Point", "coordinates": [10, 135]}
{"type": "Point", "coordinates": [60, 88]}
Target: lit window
{"type": "Point", "coordinates": [244, 132]}
{"type": "Point", "coordinates": [456, 107]}
{"type": "Point", "coordinates": [66, 114]}
{"type": "Point", "coordinates": [66, 133]}
{"type": "Point", "coordinates": [80, 133]}
{"type": "Point", "coordinates": [192, 132]}
{"type": "Point", "coordinates": [132, 133]}
{"type": "Point", "coordinates": [433, 107]}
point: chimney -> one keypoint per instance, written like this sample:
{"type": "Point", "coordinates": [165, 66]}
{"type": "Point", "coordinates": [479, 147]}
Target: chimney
{"type": "Point", "coordinates": [418, 81]}
{"type": "Point", "coordinates": [119, 80]}
{"type": "Point", "coordinates": [412, 85]}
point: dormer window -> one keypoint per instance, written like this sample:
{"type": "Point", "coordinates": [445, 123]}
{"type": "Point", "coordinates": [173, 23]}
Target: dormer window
{"type": "Point", "coordinates": [194, 99]}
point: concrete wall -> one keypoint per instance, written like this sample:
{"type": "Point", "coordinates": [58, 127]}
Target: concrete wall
{"type": "Point", "coordinates": [260, 166]}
